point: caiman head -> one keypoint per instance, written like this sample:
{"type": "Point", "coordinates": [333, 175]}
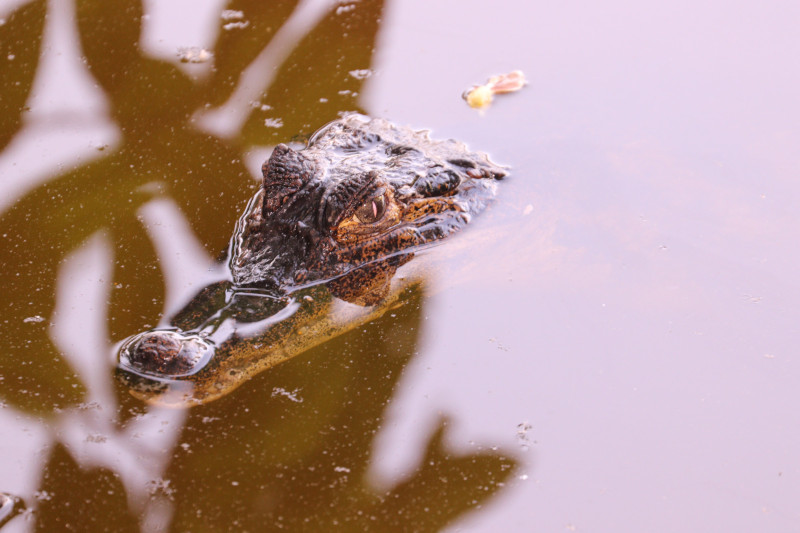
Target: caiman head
{"type": "Point", "coordinates": [364, 192]}
{"type": "Point", "coordinates": [346, 212]}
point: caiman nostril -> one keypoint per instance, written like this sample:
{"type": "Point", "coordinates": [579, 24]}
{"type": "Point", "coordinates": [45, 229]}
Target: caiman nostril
{"type": "Point", "coordinates": [165, 354]}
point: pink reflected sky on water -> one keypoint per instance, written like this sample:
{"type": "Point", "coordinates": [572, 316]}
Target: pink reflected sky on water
{"type": "Point", "coordinates": [644, 317]}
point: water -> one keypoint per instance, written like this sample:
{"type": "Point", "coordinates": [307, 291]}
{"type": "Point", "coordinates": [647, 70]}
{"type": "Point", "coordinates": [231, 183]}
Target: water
{"type": "Point", "coordinates": [612, 346]}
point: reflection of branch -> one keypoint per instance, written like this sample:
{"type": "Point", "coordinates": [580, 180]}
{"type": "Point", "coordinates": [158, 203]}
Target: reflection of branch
{"type": "Point", "coordinates": [227, 120]}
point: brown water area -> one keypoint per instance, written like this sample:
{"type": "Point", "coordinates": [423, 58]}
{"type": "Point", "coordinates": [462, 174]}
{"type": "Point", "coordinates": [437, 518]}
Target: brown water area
{"type": "Point", "coordinates": [611, 346]}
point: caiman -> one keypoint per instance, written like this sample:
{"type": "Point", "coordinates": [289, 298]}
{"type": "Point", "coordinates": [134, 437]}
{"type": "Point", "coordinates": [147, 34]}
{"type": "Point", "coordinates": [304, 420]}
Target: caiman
{"type": "Point", "coordinates": [314, 254]}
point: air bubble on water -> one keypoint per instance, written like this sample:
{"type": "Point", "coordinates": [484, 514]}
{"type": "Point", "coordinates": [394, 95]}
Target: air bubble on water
{"type": "Point", "coordinates": [236, 25]}
{"type": "Point", "coordinates": [361, 74]}
{"type": "Point", "coordinates": [232, 14]}
{"type": "Point", "coordinates": [345, 8]}
{"type": "Point", "coordinates": [42, 495]}
{"type": "Point", "coordinates": [194, 54]}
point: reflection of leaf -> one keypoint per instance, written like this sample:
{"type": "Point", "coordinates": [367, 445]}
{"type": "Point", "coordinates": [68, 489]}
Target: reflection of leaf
{"type": "Point", "coordinates": [315, 83]}
{"type": "Point", "coordinates": [236, 48]}
{"type": "Point", "coordinates": [138, 283]}
{"type": "Point", "coordinates": [145, 93]}
{"type": "Point", "coordinates": [110, 39]}
{"type": "Point", "coordinates": [81, 500]}
{"type": "Point", "coordinates": [411, 507]}
{"type": "Point", "coordinates": [20, 40]}
{"type": "Point", "coordinates": [41, 229]}
{"type": "Point", "coordinates": [57, 217]}
{"type": "Point", "coordinates": [208, 181]}
{"type": "Point", "coordinates": [296, 440]}
{"type": "Point", "coordinates": [293, 445]}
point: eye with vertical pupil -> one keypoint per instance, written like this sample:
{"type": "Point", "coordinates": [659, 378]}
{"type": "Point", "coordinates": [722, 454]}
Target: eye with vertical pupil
{"type": "Point", "coordinates": [372, 210]}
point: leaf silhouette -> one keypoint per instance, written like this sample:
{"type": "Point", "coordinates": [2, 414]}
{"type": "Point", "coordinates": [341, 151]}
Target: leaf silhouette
{"type": "Point", "coordinates": [292, 446]}
{"type": "Point", "coordinates": [138, 292]}
{"type": "Point", "coordinates": [81, 500]}
{"type": "Point", "coordinates": [110, 39]}
{"type": "Point", "coordinates": [41, 228]}
{"type": "Point", "coordinates": [208, 180]}
{"type": "Point", "coordinates": [453, 483]}
{"type": "Point", "coordinates": [145, 94]}
{"type": "Point", "coordinates": [60, 215]}
{"type": "Point", "coordinates": [282, 436]}
{"type": "Point", "coordinates": [20, 41]}
{"type": "Point", "coordinates": [315, 83]}
{"type": "Point", "coordinates": [237, 48]}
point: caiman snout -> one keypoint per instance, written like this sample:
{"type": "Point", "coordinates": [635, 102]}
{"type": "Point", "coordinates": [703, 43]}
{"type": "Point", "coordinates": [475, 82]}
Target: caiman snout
{"type": "Point", "coordinates": [165, 354]}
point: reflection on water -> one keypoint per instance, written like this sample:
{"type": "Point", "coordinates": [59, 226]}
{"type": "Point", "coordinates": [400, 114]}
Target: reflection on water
{"type": "Point", "coordinates": [82, 268]}
{"type": "Point", "coordinates": [339, 222]}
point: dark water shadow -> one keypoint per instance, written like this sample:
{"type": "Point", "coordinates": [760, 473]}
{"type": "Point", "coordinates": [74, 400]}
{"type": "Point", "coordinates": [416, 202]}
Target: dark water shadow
{"type": "Point", "coordinates": [153, 103]}
{"type": "Point", "coordinates": [293, 446]}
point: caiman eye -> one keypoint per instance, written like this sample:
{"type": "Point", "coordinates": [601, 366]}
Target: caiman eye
{"type": "Point", "coordinates": [372, 210]}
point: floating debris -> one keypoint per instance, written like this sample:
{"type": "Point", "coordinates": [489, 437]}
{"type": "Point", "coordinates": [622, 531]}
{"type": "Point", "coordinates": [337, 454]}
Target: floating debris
{"type": "Point", "coordinates": [236, 25]}
{"type": "Point", "coordinates": [235, 19]}
{"type": "Point", "coordinates": [96, 438]}
{"type": "Point", "coordinates": [194, 54]}
{"type": "Point", "coordinates": [273, 123]}
{"type": "Point", "coordinates": [361, 74]}
{"type": "Point", "coordinates": [33, 319]}
{"type": "Point", "coordinates": [162, 486]}
{"type": "Point", "coordinates": [291, 395]}
{"type": "Point", "coordinates": [43, 495]}
{"type": "Point", "coordinates": [480, 96]}
{"type": "Point", "coordinates": [522, 435]}
{"type": "Point", "coordinates": [345, 8]}
{"type": "Point", "coordinates": [232, 14]}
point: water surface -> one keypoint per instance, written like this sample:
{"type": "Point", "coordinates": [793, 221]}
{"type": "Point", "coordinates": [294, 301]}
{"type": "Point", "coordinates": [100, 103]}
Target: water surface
{"type": "Point", "coordinates": [612, 347]}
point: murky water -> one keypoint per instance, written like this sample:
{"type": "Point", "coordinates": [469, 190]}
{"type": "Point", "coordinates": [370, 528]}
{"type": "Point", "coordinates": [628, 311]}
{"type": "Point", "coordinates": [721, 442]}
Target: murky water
{"type": "Point", "coordinates": [611, 347]}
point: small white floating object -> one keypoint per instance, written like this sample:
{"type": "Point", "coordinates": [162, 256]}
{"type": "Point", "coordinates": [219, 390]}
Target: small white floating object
{"type": "Point", "coordinates": [194, 54]}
